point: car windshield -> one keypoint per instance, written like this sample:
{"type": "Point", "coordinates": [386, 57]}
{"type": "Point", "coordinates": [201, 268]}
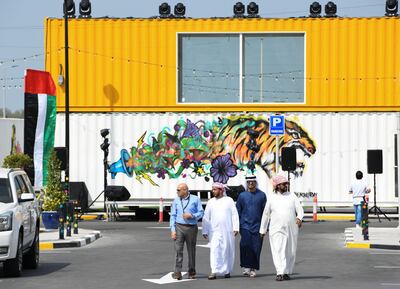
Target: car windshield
{"type": "Point", "coordinates": [5, 191]}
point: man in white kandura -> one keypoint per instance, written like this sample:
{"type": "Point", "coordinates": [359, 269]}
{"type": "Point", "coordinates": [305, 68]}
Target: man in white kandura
{"type": "Point", "coordinates": [220, 226]}
{"type": "Point", "coordinates": [284, 213]}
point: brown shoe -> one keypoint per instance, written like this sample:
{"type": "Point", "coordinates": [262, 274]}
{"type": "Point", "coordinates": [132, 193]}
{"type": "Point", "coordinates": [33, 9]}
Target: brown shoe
{"type": "Point", "coordinates": [192, 276]}
{"type": "Point", "coordinates": [212, 276]}
{"type": "Point", "coordinates": [177, 275]}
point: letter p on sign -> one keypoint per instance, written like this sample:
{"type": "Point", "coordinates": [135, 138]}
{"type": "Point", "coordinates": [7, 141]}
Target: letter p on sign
{"type": "Point", "coordinates": [277, 125]}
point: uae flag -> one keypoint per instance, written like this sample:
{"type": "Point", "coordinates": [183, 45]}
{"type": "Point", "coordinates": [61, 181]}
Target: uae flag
{"type": "Point", "coordinates": [40, 122]}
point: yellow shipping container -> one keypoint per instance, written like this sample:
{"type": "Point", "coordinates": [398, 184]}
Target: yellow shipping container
{"type": "Point", "coordinates": [351, 64]}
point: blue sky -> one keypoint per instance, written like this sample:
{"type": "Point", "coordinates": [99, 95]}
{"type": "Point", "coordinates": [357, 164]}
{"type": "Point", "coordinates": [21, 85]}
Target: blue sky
{"type": "Point", "coordinates": [21, 27]}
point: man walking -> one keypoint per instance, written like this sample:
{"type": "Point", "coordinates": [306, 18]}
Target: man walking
{"type": "Point", "coordinates": [284, 214]}
{"type": "Point", "coordinates": [250, 206]}
{"type": "Point", "coordinates": [358, 188]}
{"type": "Point", "coordinates": [220, 226]}
{"type": "Point", "coordinates": [186, 210]}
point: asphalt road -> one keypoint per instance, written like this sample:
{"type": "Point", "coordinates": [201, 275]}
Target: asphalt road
{"type": "Point", "coordinates": [129, 252]}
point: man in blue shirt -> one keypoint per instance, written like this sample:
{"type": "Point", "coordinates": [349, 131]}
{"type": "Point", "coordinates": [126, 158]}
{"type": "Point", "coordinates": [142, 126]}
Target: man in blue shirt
{"type": "Point", "coordinates": [186, 210]}
{"type": "Point", "coordinates": [250, 206]}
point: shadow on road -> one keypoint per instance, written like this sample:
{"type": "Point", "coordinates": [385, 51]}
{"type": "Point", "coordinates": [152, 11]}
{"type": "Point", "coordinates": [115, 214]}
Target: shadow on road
{"type": "Point", "coordinates": [44, 269]}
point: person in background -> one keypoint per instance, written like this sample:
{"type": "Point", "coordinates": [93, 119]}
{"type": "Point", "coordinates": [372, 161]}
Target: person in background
{"type": "Point", "coordinates": [186, 210]}
{"type": "Point", "coordinates": [250, 206]}
{"type": "Point", "coordinates": [358, 188]}
{"type": "Point", "coordinates": [220, 226]}
{"type": "Point", "coordinates": [284, 214]}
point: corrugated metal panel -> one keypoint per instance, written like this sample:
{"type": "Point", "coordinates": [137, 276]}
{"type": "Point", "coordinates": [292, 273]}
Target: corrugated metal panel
{"type": "Point", "coordinates": [352, 64]}
{"type": "Point", "coordinates": [341, 141]}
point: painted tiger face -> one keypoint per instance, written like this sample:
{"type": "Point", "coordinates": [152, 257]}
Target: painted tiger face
{"type": "Point", "coordinates": [247, 137]}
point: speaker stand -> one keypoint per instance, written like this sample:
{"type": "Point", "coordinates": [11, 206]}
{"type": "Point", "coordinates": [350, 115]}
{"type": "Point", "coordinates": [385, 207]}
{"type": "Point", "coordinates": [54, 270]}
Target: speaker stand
{"type": "Point", "coordinates": [288, 178]}
{"type": "Point", "coordinates": [102, 192]}
{"type": "Point", "coordinates": [375, 209]}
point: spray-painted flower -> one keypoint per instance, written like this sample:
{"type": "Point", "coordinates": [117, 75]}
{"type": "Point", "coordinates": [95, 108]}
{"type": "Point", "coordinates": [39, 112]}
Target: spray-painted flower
{"type": "Point", "coordinates": [161, 173]}
{"type": "Point", "coordinates": [222, 168]}
{"type": "Point", "coordinates": [186, 163]}
{"type": "Point", "coordinates": [191, 130]}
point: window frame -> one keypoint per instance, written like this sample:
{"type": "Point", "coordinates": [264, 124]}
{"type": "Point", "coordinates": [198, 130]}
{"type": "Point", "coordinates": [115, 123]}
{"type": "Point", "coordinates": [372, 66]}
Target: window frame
{"type": "Point", "coordinates": [179, 36]}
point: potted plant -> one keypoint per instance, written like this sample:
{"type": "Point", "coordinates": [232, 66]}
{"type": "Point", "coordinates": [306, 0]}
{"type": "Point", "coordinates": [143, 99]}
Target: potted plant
{"type": "Point", "coordinates": [54, 194]}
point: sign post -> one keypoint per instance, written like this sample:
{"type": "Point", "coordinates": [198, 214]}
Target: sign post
{"type": "Point", "coordinates": [277, 128]}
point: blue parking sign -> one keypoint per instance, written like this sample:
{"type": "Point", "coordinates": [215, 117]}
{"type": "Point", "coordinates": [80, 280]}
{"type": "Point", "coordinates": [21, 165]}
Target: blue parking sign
{"type": "Point", "coordinates": [277, 125]}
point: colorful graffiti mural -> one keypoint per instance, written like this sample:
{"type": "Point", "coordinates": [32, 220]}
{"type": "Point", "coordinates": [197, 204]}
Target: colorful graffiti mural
{"type": "Point", "coordinates": [215, 149]}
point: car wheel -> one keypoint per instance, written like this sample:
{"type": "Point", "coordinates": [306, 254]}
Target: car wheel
{"type": "Point", "coordinates": [13, 267]}
{"type": "Point", "coordinates": [31, 259]}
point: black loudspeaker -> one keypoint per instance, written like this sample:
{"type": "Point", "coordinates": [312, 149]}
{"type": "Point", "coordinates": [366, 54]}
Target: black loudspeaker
{"type": "Point", "coordinates": [289, 161]}
{"type": "Point", "coordinates": [234, 191]}
{"type": "Point", "coordinates": [78, 193]}
{"type": "Point", "coordinates": [61, 153]}
{"type": "Point", "coordinates": [374, 161]}
{"type": "Point", "coordinates": [117, 193]}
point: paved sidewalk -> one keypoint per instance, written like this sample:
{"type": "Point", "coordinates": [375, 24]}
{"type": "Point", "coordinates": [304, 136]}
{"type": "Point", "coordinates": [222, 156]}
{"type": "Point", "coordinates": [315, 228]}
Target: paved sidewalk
{"type": "Point", "coordinates": [49, 239]}
{"type": "Point", "coordinates": [379, 238]}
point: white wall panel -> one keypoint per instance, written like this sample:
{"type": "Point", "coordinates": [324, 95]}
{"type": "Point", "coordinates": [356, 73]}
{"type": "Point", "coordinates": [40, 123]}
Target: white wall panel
{"type": "Point", "coordinates": [341, 141]}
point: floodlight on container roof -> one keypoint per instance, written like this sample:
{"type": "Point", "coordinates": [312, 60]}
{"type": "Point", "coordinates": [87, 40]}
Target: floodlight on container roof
{"type": "Point", "coordinates": [164, 10]}
{"type": "Point", "coordinates": [85, 9]}
{"type": "Point", "coordinates": [252, 10]}
{"type": "Point", "coordinates": [69, 8]}
{"type": "Point", "coordinates": [238, 9]}
{"type": "Point", "coordinates": [315, 10]}
{"type": "Point", "coordinates": [330, 9]}
{"type": "Point", "coordinates": [392, 6]}
{"type": "Point", "coordinates": [179, 10]}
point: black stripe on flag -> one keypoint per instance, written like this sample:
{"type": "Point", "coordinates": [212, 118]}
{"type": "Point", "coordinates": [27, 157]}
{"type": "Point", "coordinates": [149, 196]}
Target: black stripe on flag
{"type": "Point", "coordinates": [31, 115]}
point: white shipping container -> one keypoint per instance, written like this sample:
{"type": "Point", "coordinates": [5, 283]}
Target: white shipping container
{"type": "Point", "coordinates": [330, 148]}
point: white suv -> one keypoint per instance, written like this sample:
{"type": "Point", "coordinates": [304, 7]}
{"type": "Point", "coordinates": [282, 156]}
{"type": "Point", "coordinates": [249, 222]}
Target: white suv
{"type": "Point", "coordinates": [19, 223]}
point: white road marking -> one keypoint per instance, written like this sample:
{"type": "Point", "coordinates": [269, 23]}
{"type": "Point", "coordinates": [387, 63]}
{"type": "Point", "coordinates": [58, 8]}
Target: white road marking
{"type": "Point", "coordinates": [167, 278]}
{"type": "Point", "coordinates": [390, 284]}
{"type": "Point", "coordinates": [387, 267]}
{"type": "Point", "coordinates": [165, 228]}
{"type": "Point", "coordinates": [204, 246]}
{"type": "Point", "coordinates": [387, 253]}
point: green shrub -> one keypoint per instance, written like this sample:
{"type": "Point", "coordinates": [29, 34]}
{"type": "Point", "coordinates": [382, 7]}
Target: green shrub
{"type": "Point", "coordinates": [54, 194]}
{"type": "Point", "coordinates": [21, 161]}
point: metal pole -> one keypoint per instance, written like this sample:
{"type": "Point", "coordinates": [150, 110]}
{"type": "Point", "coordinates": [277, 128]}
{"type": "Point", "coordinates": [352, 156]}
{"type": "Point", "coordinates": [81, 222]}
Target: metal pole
{"type": "Point", "coordinates": [277, 155]}
{"type": "Point", "coordinates": [66, 97]}
{"type": "Point", "coordinates": [261, 70]}
{"type": "Point", "coordinates": [105, 177]}
{"type": "Point", "coordinates": [398, 166]}
{"type": "Point", "coordinates": [4, 97]}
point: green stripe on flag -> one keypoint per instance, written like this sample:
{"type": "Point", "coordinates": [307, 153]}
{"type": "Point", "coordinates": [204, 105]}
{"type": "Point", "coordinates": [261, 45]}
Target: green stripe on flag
{"type": "Point", "coordinates": [49, 131]}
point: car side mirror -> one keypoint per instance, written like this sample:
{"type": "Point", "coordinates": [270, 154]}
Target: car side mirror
{"type": "Point", "coordinates": [27, 197]}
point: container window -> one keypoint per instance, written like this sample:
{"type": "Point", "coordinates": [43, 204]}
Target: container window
{"type": "Point", "coordinates": [241, 68]}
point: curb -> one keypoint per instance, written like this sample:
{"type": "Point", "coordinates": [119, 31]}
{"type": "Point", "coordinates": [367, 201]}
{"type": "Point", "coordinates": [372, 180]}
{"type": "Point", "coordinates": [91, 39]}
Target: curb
{"type": "Point", "coordinates": [86, 240]}
{"type": "Point", "coordinates": [349, 243]}
{"type": "Point", "coordinates": [93, 217]}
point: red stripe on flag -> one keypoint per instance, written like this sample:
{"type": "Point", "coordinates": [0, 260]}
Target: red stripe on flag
{"type": "Point", "coordinates": [37, 81]}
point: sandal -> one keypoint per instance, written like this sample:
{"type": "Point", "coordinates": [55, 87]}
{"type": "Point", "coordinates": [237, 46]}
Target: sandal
{"type": "Point", "coordinates": [279, 278]}
{"type": "Point", "coordinates": [286, 277]}
{"type": "Point", "coordinates": [212, 276]}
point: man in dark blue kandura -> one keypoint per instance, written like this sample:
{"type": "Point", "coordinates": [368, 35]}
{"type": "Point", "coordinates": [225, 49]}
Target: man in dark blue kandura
{"type": "Point", "coordinates": [250, 206]}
